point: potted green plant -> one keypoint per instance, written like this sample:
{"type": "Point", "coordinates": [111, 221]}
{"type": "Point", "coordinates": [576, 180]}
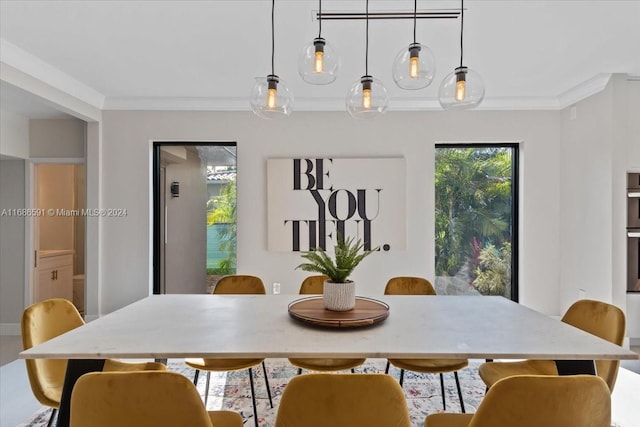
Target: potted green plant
{"type": "Point", "coordinates": [338, 291]}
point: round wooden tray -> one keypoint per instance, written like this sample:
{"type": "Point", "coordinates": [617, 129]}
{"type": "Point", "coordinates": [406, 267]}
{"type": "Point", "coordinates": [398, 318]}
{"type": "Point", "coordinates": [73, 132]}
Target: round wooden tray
{"type": "Point", "coordinates": [366, 312]}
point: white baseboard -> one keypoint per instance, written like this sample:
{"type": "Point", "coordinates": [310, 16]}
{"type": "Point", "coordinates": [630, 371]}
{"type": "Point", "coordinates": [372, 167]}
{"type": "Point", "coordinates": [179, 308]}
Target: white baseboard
{"type": "Point", "coordinates": [11, 329]}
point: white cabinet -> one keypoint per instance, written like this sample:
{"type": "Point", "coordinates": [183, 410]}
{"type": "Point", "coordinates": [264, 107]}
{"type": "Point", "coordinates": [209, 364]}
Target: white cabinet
{"type": "Point", "coordinates": [55, 275]}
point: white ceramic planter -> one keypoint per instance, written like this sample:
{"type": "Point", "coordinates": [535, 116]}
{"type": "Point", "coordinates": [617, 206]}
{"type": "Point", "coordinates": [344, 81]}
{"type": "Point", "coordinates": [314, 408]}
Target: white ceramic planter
{"type": "Point", "coordinates": [339, 296]}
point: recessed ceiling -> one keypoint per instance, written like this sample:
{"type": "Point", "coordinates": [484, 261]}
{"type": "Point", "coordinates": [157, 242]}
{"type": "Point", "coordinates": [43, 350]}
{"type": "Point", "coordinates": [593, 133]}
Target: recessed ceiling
{"type": "Point", "coordinates": [206, 54]}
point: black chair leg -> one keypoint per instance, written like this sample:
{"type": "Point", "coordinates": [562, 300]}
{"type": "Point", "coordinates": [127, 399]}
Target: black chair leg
{"type": "Point", "coordinates": [195, 377]}
{"type": "Point", "coordinates": [253, 398]}
{"type": "Point", "coordinates": [401, 377]}
{"type": "Point", "coordinates": [266, 381]}
{"type": "Point", "coordinates": [444, 404]}
{"type": "Point", "coordinates": [299, 371]}
{"type": "Point", "coordinates": [459, 392]}
{"type": "Point", "coordinates": [206, 389]}
{"type": "Point", "coordinates": [353, 370]}
{"type": "Point", "coordinates": [53, 415]}
{"type": "Point", "coordinates": [386, 370]}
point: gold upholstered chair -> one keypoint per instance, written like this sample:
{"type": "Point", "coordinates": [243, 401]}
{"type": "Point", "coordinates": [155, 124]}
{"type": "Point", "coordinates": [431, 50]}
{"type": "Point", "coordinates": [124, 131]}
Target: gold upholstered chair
{"type": "Point", "coordinates": [598, 318]}
{"type": "Point", "coordinates": [537, 401]}
{"type": "Point", "coordinates": [43, 321]}
{"type": "Point", "coordinates": [135, 399]}
{"type": "Point", "coordinates": [234, 284]}
{"type": "Point", "coordinates": [314, 285]}
{"type": "Point", "coordinates": [404, 285]}
{"type": "Point", "coordinates": [343, 400]}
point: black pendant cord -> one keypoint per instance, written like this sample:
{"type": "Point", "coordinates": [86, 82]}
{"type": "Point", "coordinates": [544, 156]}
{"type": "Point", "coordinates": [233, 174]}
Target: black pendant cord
{"type": "Point", "coordinates": [366, 51]}
{"type": "Point", "coordinates": [273, 36]}
{"type": "Point", "coordinates": [319, 19]}
{"type": "Point", "coordinates": [415, 17]}
{"type": "Point", "coordinates": [461, 28]}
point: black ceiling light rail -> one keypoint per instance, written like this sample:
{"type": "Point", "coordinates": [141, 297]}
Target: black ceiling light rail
{"type": "Point", "coordinates": [440, 14]}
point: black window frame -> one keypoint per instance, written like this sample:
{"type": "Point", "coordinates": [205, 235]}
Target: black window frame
{"type": "Point", "coordinates": [157, 232]}
{"type": "Point", "coordinates": [515, 197]}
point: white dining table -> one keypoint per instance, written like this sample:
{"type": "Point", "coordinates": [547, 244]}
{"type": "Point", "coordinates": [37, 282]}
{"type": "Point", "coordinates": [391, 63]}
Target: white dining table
{"type": "Point", "coordinates": [259, 326]}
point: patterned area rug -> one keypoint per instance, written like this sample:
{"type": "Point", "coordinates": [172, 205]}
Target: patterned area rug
{"type": "Point", "coordinates": [232, 391]}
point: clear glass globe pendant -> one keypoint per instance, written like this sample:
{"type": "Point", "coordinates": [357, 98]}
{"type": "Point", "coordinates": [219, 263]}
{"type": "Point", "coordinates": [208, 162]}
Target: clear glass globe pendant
{"type": "Point", "coordinates": [271, 98]}
{"type": "Point", "coordinates": [415, 67]}
{"type": "Point", "coordinates": [318, 62]}
{"type": "Point", "coordinates": [464, 87]}
{"type": "Point", "coordinates": [367, 98]}
{"type": "Point", "coordinates": [461, 89]}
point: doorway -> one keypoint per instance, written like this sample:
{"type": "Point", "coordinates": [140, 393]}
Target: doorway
{"type": "Point", "coordinates": [59, 232]}
{"type": "Point", "coordinates": [194, 214]}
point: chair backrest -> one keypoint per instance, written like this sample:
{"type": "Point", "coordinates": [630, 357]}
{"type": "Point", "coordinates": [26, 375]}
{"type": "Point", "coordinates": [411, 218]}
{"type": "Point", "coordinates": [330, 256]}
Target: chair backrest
{"type": "Point", "coordinates": [409, 286]}
{"type": "Point", "coordinates": [541, 400]}
{"type": "Point", "coordinates": [239, 284]}
{"type": "Point", "coordinates": [343, 400]}
{"type": "Point", "coordinates": [41, 322]}
{"type": "Point", "coordinates": [313, 284]}
{"type": "Point", "coordinates": [602, 320]}
{"type": "Point", "coordinates": [134, 399]}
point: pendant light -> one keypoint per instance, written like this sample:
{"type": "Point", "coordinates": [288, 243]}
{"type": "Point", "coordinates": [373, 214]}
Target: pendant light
{"type": "Point", "coordinates": [271, 98]}
{"type": "Point", "coordinates": [463, 88]}
{"type": "Point", "coordinates": [414, 67]}
{"type": "Point", "coordinates": [318, 62]}
{"type": "Point", "coordinates": [368, 97]}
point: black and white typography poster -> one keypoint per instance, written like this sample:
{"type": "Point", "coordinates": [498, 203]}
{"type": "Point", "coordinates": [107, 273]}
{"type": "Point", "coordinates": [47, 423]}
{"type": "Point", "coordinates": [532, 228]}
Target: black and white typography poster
{"type": "Point", "coordinates": [311, 200]}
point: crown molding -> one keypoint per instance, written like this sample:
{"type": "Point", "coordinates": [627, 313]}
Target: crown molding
{"type": "Point", "coordinates": [584, 90]}
{"type": "Point", "coordinates": [318, 104]}
{"type": "Point", "coordinates": [177, 104]}
{"type": "Point", "coordinates": [566, 99]}
{"type": "Point", "coordinates": [33, 66]}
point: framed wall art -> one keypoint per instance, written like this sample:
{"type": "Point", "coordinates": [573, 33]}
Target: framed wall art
{"type": "Point", "coordinates": [311, 200]}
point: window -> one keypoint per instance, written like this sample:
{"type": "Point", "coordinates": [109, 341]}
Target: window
{"type": "Point", "coordinates": [476, 219]}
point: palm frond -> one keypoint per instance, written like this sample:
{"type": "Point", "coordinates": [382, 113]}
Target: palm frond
{"type": "Point", "coordinates": [347, 256]}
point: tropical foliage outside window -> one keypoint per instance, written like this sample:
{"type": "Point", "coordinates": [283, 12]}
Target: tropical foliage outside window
{"type": "Point", "coordinates": [474, 219]}
{"type": "Point", "coordinates": [221, 220]}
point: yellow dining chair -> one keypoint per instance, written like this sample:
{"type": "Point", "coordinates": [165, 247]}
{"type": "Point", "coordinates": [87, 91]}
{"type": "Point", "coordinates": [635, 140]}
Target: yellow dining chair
{"type": "Point", "coordinates": [598, 318]}
{"type": "Point", "coordinates": [136, 399]}
{"type": "Point", "coordinates": [43, 321]}
{"type": "Point", "coordinates": [234, 284]}
{"type": "Point", "coordinates": [343, 400]}
{"type": "Point", "coordinates": [537, 401]}
{"type": "Point", "coordinates": [404, 285]}
{"type": "Point", "coordinates": [314, 285]}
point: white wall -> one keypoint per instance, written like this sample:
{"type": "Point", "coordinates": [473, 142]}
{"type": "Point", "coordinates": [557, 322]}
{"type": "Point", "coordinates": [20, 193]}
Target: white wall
{"type": "Point", "coordinates": [127, 137]}
{"type": "Point", "coordinates": [119, 263]}
{"type": "Point", "coordinates": [14, 135]}
{"type": "Point", "coordinates": [12, 235]}
{"type": "Point", "coordinates": [57, 138]}
{"type": "Point", "coordinates": [586, 200]}
{"type": "Point", "coordinates": [626, 115]}
{"type": "Point", "coordinates": [14, 145]}
{"type": "Point", "coordinates": [600, 143]}
{"type": "Point", "coordinates": [186, 248]}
